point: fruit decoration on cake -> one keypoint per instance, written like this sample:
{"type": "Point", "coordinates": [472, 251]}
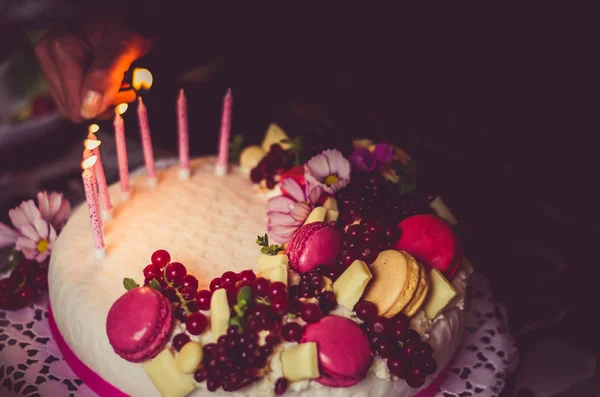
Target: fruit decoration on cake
{"type": "Point", "coordinates": [28, 245]}
{"type": "Point", "coordinates": [350, 258]}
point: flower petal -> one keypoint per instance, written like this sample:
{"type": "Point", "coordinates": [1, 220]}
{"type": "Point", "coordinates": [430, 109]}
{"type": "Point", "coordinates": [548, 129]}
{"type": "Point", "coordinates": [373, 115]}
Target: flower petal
{"type": "Point", "coordinates": [383, 153]}
{"type": "Point", "coordinates": [8, 236]}
{"type": "Point", "coordinates": [338, 164]}
{"type": "Point", "coordinates": [31, 211]}
{"type": "Point", "coordinates": [52, 235]}
{"type": "Point", "coordinates": [30, 232]}
{"type": "Point", "coordinates": [42, 256]}
{"type": "Point", "coordinates": [300, 212]}
{"type": "Point", "coordinates": [61, 216]}
{"type": "Point", "coordinates": [42, 228]}
{"type": "Point", "coordinates": [315, 193]}
{"type": "Point", "coordinates": [281, 219]}
{"type": "Point", "coordinates": [281, 234]}
{"type": "Point", "coordinates": [318, 166]}
{"type": "Point", "coordinates": [340, 184]}
{"type": "Point", "coordinates": [44, 205]}
{"type": "Point", "coordinates": [362, 160]}
{"type": "Point", "coordinates": [293, 189]}
{"type": "Point", "coordinates": [24, 243]}
{"type": "Point", "coordinates": [279, 204]}
{"type": "Point", "coordinates": [29, 252]}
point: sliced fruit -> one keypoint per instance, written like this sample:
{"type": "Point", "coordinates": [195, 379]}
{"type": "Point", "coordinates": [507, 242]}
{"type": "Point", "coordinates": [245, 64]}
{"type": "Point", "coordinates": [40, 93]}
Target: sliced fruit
{"type": "Point", "coordinates": [268, 262]}
{"type": "Point", "coordinates": [251, 156]}
{"type": "Point", "coordinates": [442, 210]}
{"type": "Point", "coordinates": [414, 272]}
{"type": "Point", "coordinates": [300, 362]}
{"type": "Point", "coordinates": [432, 242]}
{"type": "Point", "coordinates": [441, 294]}
{"type": "Point", "coordinates": [390, 272]}
{"type": "Point", "coordinates": [350, 285]}
{"type": "Point", "coordinates": [274, 135]}
{"type": "Point", "coordinates": [420, 294]}
{"type": "Point", "coordinates": [219, 313]}
{"type": "Point", "coordinates": [189, 357]}
{"type": "Point", "coordinates": [169, 381]}
{"type": "Point", "coordinates": [330, 203]}
{"type": "Point", "coordinates": [332, 216]}
{"type": "Point", "coordinates": [316, 215]}
{"type": "Point", "coordinates": [277, 273]}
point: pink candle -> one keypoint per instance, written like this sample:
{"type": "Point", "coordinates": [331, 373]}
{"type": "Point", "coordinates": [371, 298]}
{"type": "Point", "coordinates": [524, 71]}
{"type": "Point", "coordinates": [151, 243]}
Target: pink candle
{"type": "Point", "coordinates": [92, 203]}
{"type": "Point", "coordinates": [223, 158]}
{"type": "Point", "coordinates": [86, 155]}
{"type": "Point", "coordinates": [146, 142]}
{"type": "Point", "coordinates": [105, 201]}
{"type": "Point", "coordinates": [122, 157]}
{"type": "Point", "coordinates": [184, 142]}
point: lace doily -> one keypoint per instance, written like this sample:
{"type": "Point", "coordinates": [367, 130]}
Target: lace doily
{"type": "Point", "coordinates": [31, 364]}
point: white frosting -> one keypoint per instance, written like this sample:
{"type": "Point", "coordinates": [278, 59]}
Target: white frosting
{"type": "Point", "coordinates": [210, 224]}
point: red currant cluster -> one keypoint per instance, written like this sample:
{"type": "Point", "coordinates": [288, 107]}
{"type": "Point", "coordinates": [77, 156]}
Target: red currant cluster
{"type": "Point", "coordinates": [311, 286]}
{"type": "Point", "coordinates": [407, 356]}
{"type": "Point", "coordinates": [276, 162]}
{"type": "Point", "coordinates": [27, 281]}
{"type": "Point", "coordinates": [366, 240]}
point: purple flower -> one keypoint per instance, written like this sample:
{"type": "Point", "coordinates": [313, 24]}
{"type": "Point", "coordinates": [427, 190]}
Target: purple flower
{"type": "Point", "coordinates": [330, 170]}
{"type": "Point", "coordinates": [366, 160]}
{"type": "Point", "coordinates": [286, 213]}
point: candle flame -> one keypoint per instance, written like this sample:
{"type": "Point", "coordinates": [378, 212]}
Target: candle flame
{"type": "Point", "coordinates": [93, 128]}
{"type": "Point", "coordinates": [122, 108]}
{"type": "Point", "coordinates": [89, 162]}
{"type": "Point", "coordinates": [91, 144]}
{"type": "Point", "coordinates": [142, 79]}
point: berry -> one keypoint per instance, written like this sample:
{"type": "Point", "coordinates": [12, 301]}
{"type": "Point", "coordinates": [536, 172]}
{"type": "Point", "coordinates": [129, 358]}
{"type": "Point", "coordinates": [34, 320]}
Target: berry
{"type": "Point", "coordinates": [161, 258]}
{"type": "Point", "coordinates": [310, 313]}
{"type": "Point", "coordinates": [25, 295]}
{"type": "Point", "coordinates": [327, 302]}
{"type": "Point", "coordinates": [428, 365]}
{"type": "Point", "coordinates": [201, 375]}
{"type": "Point", "coordinates": [412, 336]}
{"type": "Point", "coordinates": [261, 285]}
{"type": "Point", "coordinates": [399, 333]}
{"type": "Point", "coordinates": [292, 332]}
{"type": "Point", "coordinates": [384, 347]}
{"type": "Point", "coordinates": [277, 289]}
{"type": "Point", "coordinates": [415, 378]}
{"type": "Point", "coordinates": [190, 281]}
{"type": "Point", "coordinates": [212, 384]}
{"type": "Point", "coordinates": [295, 307]}
{"type": "Point", "coordinates": [192, 306]}
{"type": "Point", "coordinates": [232, 330]}
{"type": "Point", "coordinates": [397, 366]}
{"type": "Point", "coordinates": [175, 272]}
{"type": "Point", "coordinates": [7, 284]}
{"type": "Point", "coordinates": [279, 306]}
{"type": "Point", "coordinates": [229, 277]}
{"type": "Point", "coordinates": [188, 293]}
{"type": "Point", "coordinates": [40, 279]}
{"type": "Point", "coordinates": [171, 294]}
{"type": "Point", "coordinates": [152, 271]}
{"type": "Point", "coordinates": [179, 341]}
{"type": "Point", "coordinates": [180, 314]}
{"type": "Point", "coordinates": [281, 386]}
{"type": "Point", "coordinates": [381, 326]}
{"type": "Point", "coordinates": [203, 299]}
{"type": "Point", "coordinates": [400, 320]}
{"type": "Point", "coordinates": [272, 340]}
{"type": "Point", "coordinates": [425, 349]}
{"type": "Point", "coordinates": [366, 311]}
{"type": "Point", "coordinates": [215, 284]}
{"type": "Point", "coordinates": [196, 323]}
{"type": "Point", "coordinates": [412, 348]}
{"type": "Point", "coordinates": [259, 310]}
{"type": "Point", "coordinates": [247, 275]}
{"type": "Point", "coordinates": [294, 292]}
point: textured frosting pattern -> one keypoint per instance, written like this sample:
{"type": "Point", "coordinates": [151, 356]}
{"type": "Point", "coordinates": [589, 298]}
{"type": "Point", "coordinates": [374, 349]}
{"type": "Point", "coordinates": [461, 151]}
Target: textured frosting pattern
{"type": "Point", "coordinates": [210, 224]}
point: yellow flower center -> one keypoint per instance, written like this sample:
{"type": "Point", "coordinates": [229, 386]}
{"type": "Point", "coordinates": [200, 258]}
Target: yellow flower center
{"type": "Point", "coordinates": [331, 179]}
{"type": "Point", "coordinates": [42, 246]}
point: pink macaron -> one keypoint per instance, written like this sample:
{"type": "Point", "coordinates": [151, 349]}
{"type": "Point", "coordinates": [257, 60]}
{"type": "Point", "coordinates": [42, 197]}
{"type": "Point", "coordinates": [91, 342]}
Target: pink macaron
{"type": "Point", "coordinates": [344, 350]}
{"type": "Point", "coordinates": [315, 244]}
{"type": "Point", "coordinates": [139, 323]}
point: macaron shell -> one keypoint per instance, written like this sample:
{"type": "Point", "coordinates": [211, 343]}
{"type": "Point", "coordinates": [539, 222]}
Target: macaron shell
{"type": "Point", "coordinates": [314, 244]}
{"type": "Point", "coordinates": [390, 277]}
{"type": "Point", "coordinates": [414, 274]}
{"type": "Point", "coordinates": [138, 324]}
{"type": "Point", "coordinates": [419, 298]}
{"type": "Point", "coordinates": [344, 350]}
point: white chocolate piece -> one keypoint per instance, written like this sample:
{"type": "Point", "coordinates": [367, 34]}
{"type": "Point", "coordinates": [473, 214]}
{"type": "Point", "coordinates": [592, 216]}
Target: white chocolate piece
{"type": "Point", "coordinates": [362, 143]}
{"type": "Point", "coordinates": [442, 210]}
{"type": "Point", "coordinates": [300, 362]}
{"type": "Point", "coordinates": [274, 135]}
{"type": "Point", "coordinates": [251, 156]}
{"type": "Point", "coordinates": [316, 215]}
{"type": "Point", "coordinates": [219, 313]}
{"type": "Point", "coordinates": [169, 381]}
{"type": "Point", "coordinates": [441, 293]}
{"type": "Point", "coordinates": [277, 273]}
{"type": "Point", "coordinates": [268, 262]}
{"type": "Point", "coordinates": [330, 204]}
{"type": "Point", "coordinates": [331, 215]}
{"type": "Point", "coordinates": [189, 357]}
{"type": "Point", "coordinates": [351, 284]}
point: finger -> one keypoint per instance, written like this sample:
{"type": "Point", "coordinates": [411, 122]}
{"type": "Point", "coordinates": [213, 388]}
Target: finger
{"type": "Point", "coordinates": [50, 72]}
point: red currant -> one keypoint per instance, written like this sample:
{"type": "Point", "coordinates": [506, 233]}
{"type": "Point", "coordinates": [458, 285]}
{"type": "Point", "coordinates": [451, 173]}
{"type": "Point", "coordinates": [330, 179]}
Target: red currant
{"type": "Point", "coordinates": [247, 275]}
{"type": "Point", "coordinates": [327, 301]}
{"type": "Point", "coordinates": [230, 277]}
{"type": "Point", "coordinates": [261, 285]}
{"type": "Point", "coordinates": [292, 332]}
{"type": "Point", "coordinates": [400, 320]}
{"type": "Point", "coordinates": [381, 326]}
{"type": "Point", "coordinates": [196, 323]}
{"type": "Point", "coordinates": [175, 272]}
{"type": "Point", "coordinates": [161, 258]}
{"type": "Point", "coordinates": [152, 271]}
{"type": "Point", "coordinates": [279, 306]}
{"type": "Point", "coordinates": [366, 311]}
{"type": "Point", "coordinates": [429, 365]}
{"type": "Point", "coordinates": [189, 281]}
{"type": "Point", "coordinates": [215, 284]}
{"type": "Point", "coordinates": [277, 289]}
{"type": "Point", "coordinates": [385, 347]}
{"type": "Point", "coordinates": [412, 348]}
{"type": "Point", "coordinates": [281, 386]}
{"type": "Point", "coordinates": [25, 294]}
{"type": "Point", "coordinates": [188, 293]}
{"type": "Point", "coordinates": [311, 313]}
{"type": "Point", "coordinates": [397, 366]}
{"type": "Point", "coordinates": [203, 299]}
{"type": "Point", "coordinates": [415, 377]}
{"type": "Point", "coordinates": [7, 285]}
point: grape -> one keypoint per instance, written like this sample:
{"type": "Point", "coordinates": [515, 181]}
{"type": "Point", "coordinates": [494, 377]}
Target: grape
{"type": "Point", "coordinates": [247, 275]}
{"type": "Point", "coordinates": [415, 377]}
{"type": "Point", "coordinates": [400, 320]}
{"type": "Point", "coordinates": [232, 330]}
{"type": "Point", "coordinates": [212, 384]}
{"type": "Point", "coordinates": [366, 311]}
{"type": "Point", "coordinates": [196, 323]}
{"type": "Point", "coordinates": [292, 332]}
{"type": "Point", "coordinates": [327, 301]}
{"type": "Point", "coordinates": [425, 349]}
{"type": "Point", "coordinates": [175, 272]}
{"type": "Point", "coordinates": [412, 348]}
{"type": "Point", "coordinates": [311, 313]}
{"type": "Point", "coordinates": [428, 365]}
{"type": "Point", "coordinates": [201, 375]}
{"type": "Point", "coordinates": [161, 258]}
{"type": "Point", "coordinates": [397, 366]}
{"type": "Point", "coordinates": [190, 281]}
{"type": "Point", "coordinates": [203, 299]}
{"type": "Point", "coordinates": [385, 347]}
{"type": "Point", "coordinates": [179, 341]}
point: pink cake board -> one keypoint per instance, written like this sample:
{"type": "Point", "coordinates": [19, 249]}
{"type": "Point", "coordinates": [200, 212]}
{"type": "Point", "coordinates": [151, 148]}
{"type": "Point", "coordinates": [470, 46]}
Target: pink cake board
{"type": "Point", "coordinates": [105, 389]}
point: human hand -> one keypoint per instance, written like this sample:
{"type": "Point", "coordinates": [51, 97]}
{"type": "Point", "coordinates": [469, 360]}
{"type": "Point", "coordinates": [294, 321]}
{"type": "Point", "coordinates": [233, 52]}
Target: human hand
{"type": "Point", "coordinates": [84, 65]}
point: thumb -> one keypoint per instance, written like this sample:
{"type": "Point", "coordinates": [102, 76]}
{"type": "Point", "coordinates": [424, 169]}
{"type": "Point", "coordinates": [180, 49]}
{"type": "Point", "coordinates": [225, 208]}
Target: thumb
{"type": "Point", "coordinates": [115, 53]}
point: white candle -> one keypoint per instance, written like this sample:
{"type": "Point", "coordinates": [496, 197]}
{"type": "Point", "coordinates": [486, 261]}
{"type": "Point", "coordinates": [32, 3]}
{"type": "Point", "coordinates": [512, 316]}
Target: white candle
{"type": "Point", "coordinates": [92, 203]}
{"type": "Point", "coordinates": [223, 157]}
{"type": "Point", "coordinates": [146, 142]}
{"type": "Point", "coordinates": [122, 158]}
{"type": "Point", "coordinates": [183, 134]}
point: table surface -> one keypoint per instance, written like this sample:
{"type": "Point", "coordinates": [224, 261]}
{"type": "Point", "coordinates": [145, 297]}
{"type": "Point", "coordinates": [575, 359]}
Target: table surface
{"type": "Point", "coordinates": [31, 364]}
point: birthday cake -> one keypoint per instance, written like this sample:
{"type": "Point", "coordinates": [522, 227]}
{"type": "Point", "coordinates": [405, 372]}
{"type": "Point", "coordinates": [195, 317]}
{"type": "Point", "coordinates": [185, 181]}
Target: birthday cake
{"type": "Point", "coordinates": [300, 273]}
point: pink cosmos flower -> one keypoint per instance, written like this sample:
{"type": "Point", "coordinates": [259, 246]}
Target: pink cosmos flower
{"type": "Point", "coordinates": [329, 170]}
{"type": "Point", "coordinates": [288, 212]}
{"type": "Point", "coordinates": [54, 208]}
{"type": "Point", "coordinates": [8, 235]}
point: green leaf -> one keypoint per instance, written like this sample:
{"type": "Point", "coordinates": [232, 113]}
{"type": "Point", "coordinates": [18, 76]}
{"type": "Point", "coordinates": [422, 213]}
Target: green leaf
{"type": "Point", "coordinates": [262, 301]}
{"type": "Point", "coordinates": [235, 148]}
{"type": "Point", "coordinates": [296, 148]}
{"type": "Point", "coordinates": [267, 249]}
{"type": "Point", "coordinates": [155, 284]}
{"type": "Point", "coordinates": [129, 283]}
{"type": "Point", "coordinates": [245, 296]}
{"type": "Point", "coordinates": [237, 321]}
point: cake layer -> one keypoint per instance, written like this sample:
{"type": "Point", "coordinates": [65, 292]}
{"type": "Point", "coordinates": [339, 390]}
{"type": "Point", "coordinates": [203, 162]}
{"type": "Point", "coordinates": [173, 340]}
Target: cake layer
{"type": "Point", "coordinates": [210, 224]}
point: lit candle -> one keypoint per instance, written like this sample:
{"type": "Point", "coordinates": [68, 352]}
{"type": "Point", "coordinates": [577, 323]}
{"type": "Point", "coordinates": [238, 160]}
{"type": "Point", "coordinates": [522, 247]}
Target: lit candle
{"type": "Point", "coordinates": [87, 153]}
{"type": "Point", "coordinates": [184, 142]}
{"type": "Point", "coordinates": [146, 142]}
{"type": "Point", "coordinates": [223, 158]}
{"type": "Point", "coordinates": [92, 203]}
{"type": "Point", "coordinates": [93, 144]}
{"type": "Point", "coordinates": [122, 157]}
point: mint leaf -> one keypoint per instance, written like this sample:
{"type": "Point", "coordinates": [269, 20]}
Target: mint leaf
{"type": "Point", "coordinates": [267, 249]}
{"type": "Point", "coordinates": [155, 284]}
{"type": "Point", "coordinates": [235, 148]}
{"type": "Point", "coordinates": [296, 148]}
{"type": "Point", "coordinates": [238, 322]}
{"type": "Point", "coordinates": [129, 283]}
{"type": "Point", "coordinates": [245, 296]}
